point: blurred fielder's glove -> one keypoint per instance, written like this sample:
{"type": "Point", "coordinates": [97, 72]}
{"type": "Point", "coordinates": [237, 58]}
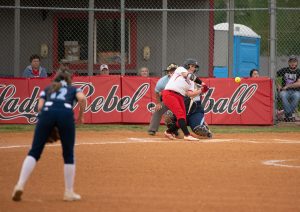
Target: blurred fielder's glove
{"type": "Point", "coordinates": [54, 136]}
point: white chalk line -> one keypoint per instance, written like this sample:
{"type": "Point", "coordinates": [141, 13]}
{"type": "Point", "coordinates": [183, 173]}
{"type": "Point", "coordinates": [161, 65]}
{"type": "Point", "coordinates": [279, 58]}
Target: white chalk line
{"type": "Point", "coordinates": [279, 163]}
{"type": "Point", "coordinates": [286, 141]}
{"type": "Point", "coordinates": [136, 141]}
{"type": "Point", "coordinates": [165, 140]}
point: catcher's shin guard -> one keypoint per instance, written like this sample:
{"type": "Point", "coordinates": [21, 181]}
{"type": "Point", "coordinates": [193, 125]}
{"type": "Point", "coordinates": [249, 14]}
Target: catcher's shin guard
{"type": "Point", "coordinates": [170, 122]}
{"type": "Point", "coordinates": [202, 130]}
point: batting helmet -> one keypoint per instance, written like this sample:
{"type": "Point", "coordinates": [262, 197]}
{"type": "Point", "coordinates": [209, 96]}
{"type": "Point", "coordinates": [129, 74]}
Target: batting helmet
{"type": "Point", "coordinates": [189, 62]}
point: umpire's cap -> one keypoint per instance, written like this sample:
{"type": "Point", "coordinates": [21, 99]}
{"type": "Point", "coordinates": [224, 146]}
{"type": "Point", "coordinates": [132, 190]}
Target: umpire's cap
{"type": "Point", "coordinates": [171, 67]}
{"type": "Point", "coordinates": [189, 62]}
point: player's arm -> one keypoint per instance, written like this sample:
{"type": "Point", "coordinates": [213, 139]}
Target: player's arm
{"type": "Point", "coordinates": [181, 71]}
{"type": "Point", "coordinates": [193, 77]}
{"type": "Point", "coordinates": [82, 103]}
{"type": "Point", "coordinates": [158, 101]}
{"type": "Point", "coordinates": [193, 93]}
{"type": "Point", "coordinates": [204, 88]}
{"type": "Point", "coordinates": [42, 99]}
{"type": "Point", "coordinates": [40, 104]}
{"type": "Point", "coordinates": [158, 89]}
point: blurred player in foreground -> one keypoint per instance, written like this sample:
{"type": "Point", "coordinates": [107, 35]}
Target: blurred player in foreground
{"type": "Point", "coordinates": [55, 108]}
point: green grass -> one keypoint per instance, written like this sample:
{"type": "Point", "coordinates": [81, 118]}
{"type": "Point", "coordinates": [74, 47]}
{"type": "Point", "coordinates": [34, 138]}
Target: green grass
{"type": "Point", "coordinates": [290, 127]}
{"type": "Point", "coordinates": [255, 129]}
{"type": "Point", "coordinates": [16, 127]}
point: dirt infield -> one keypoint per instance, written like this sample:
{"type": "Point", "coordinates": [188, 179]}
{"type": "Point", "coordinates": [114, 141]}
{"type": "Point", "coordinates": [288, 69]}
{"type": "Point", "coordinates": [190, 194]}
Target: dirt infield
{"type": "Point", "coordinates": [135, 172]}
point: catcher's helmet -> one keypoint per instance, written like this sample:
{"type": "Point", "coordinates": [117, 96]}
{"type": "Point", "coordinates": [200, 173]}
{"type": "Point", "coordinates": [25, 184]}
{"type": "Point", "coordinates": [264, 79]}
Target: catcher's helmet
{"type": "Point", "coordinates": [189, 62]}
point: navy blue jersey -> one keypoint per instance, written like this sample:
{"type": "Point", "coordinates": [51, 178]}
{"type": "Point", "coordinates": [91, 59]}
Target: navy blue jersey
{"type": "Point", "coordinates": [65, 95]}
{"type": "Point", "coordinates": [57, 111]}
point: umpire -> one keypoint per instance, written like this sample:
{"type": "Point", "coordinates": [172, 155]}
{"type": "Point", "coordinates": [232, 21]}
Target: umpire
{"type": "Point", "coordinates": [160, 107]}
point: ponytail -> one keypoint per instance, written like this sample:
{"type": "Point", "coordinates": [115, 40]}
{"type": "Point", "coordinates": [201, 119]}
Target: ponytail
{"type": "Point", "coordinates": [61, 79]}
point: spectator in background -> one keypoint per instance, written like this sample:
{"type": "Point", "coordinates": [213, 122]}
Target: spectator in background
{"type": "Point", "coordinates": [143, 72]}
{"type": "Point", "coordinates": [288, 86]}
{"type": "Point", "coordinates": [64, 67]}
{"type": "Point", "coordinates": [104, 70]}
{"type": "Point", "coordinates": [35, 70]}
{"type": "Point", "coordinates": [160, 107]}
{"type": "Point", "coordinates": [254, 73]}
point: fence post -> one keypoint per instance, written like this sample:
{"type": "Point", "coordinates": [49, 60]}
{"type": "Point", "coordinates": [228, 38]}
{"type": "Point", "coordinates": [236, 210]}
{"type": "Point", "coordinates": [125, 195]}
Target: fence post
{"type": "Point", "coordinates": [91, 39]}
{"type": "Point", "coordinates": [164, 34]}
{"type": "Point", "coordinates": [122, 37]}
{"type": "Point", "coordinates": [272, 38]}
{"type": "Point", "coordinates": [230, 37]}
{"type": "Point", "coordinates": [272, 61]}
{"type": "Point", "coordinates": [17, 40]}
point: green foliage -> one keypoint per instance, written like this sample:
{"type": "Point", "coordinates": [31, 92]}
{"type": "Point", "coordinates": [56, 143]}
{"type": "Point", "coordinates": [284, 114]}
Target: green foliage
{"type": "Point", "coordinates": [288, 24]}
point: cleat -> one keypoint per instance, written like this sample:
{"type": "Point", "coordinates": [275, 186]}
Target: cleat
{"type": "Point", "coordinates": [169, 135]}
{"type": "Point", "coordinates": [71, 196]}
{"type": "Point", "coordinates": [209, 135]}
{"type": "Point", "coordinates": [17, 193]}
{"type": "Point", "coordinates": [190, 138]}
{"type": "Point", "coordinates": [151, 132]}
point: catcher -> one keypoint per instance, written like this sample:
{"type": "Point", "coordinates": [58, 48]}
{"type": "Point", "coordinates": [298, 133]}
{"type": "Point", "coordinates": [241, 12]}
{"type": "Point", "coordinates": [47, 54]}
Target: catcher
{"type": "Point", "coordinates": [55, 108]}
{"type": "Point", "coordinates": [194, 115]}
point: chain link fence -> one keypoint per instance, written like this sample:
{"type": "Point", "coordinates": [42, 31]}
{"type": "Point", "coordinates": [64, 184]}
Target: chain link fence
{"type": "Point", "coordinates": [127, 35]}
{"type": "Point", "coordinates": [90, 33]}
{"type": "Point", "coordinates": [288, 52]}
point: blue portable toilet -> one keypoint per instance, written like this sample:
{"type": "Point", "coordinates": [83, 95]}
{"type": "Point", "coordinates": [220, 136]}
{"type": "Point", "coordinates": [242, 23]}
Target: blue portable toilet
{"type": "Point", "coordinates": [246, 50]}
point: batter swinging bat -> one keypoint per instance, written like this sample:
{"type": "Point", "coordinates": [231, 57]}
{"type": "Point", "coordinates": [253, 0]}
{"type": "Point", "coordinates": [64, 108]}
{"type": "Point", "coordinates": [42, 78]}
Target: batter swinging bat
{"type": "Point", "coordinates": [191, 103]}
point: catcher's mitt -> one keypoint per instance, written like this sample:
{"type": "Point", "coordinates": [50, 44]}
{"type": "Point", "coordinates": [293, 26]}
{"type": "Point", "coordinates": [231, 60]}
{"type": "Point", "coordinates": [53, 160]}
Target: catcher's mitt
{"type": "Point", "coordinates": [54, 136]}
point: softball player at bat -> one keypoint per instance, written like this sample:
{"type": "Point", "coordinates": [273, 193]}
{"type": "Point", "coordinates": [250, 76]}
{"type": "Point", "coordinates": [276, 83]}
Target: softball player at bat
{"type": "Point", "coordinates": [195, 116]}
{"type": "Point", "coordinates": [55, 108]}
{"type": "Point", "coordinates": [181, 84]}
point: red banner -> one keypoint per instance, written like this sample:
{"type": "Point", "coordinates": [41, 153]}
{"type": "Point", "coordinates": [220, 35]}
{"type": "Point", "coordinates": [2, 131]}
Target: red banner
{"type": "Point", "coordinates": [138, 91]}
{"type": "Point", "coordinates": [247, 102]}
{"type": "Point", "coordinates": [118, 99]}
{"type": "Point", "coordinates": [106, 99]}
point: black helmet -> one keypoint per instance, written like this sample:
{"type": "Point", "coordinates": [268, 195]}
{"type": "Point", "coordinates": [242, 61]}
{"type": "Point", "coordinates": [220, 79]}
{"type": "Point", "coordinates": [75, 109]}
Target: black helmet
{"type": "Point", "coordinates": [189, 62]}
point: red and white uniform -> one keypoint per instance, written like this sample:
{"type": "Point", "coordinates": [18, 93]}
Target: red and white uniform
{"type": "Point", "coordinates": [178, 83]}
{"type": "Point", "coordinates": [174, 92]}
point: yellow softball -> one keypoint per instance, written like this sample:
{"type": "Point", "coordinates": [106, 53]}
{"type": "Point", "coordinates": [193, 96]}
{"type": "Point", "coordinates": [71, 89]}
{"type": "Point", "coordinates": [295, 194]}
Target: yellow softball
{"type": "Point", "coordinates": [237, 79]}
